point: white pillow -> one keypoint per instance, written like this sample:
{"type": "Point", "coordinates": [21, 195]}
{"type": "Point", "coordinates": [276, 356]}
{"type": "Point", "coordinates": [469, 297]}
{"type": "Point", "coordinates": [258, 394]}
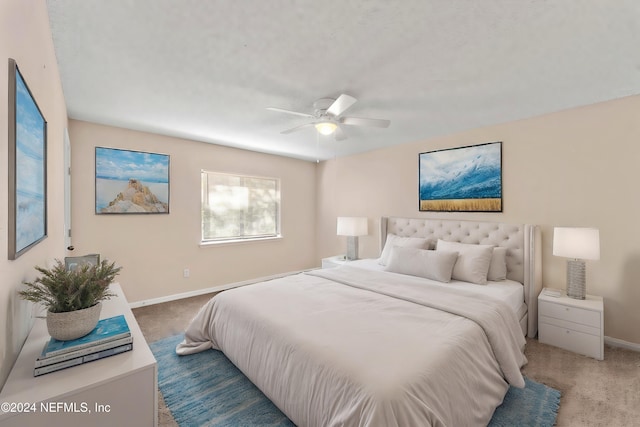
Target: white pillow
{"type": "Point", "coordinates": [434, 265]}
{"type": "Point", "coordinates": [393, 240]}
{"type": "Point", "coordinates": [473, 261]}
{"type": "Point", "coordinates": [498, 266]}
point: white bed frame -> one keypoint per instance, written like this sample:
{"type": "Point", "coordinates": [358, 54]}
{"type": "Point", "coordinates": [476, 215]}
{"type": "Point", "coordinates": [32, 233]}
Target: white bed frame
{"type": "Point", "coordinates": [523, 243]}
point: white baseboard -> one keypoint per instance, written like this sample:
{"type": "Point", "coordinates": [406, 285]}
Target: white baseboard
{"type": "Point", "coordinates": [198, 292]}
{"type": "Point", "coordinates": [615, 342]}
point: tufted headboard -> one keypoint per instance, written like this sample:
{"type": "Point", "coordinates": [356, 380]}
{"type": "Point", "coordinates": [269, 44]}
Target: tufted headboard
{"type": "Point", "coordinates": [523, 243]}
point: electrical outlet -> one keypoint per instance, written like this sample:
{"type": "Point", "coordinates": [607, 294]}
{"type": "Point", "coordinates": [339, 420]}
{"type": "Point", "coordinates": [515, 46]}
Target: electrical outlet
{"type": "Point", "coordinates": [185, 273]}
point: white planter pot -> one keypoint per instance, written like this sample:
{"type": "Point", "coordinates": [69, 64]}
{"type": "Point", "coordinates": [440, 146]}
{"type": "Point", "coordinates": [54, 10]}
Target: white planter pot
{"type": "Point", "coordinates": [73, 324]}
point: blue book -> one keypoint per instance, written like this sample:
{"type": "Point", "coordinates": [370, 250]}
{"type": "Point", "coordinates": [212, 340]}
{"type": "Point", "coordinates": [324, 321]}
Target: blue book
{"type": "Point", "coordinates": [44, 361]}
{"type": "Point", "coordinates": [106, 330]}
{"type": "Point", "coordinates": [83, 359]}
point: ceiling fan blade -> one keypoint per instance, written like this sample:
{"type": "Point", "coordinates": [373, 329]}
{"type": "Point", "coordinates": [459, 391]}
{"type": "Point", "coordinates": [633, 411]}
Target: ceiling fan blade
{"type": "Point", "coordinates": [341, 105]}
{"type": "Point", "coordinates": [297, 128]}
{"type": "Point", "coordinates": [339, 135]}
{"type": "Point", "coordinates": [280, 110]}
{"type": "Point", "coordinates": [357, 121]}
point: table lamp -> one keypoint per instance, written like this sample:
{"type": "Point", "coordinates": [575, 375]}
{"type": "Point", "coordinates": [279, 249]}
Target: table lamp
{"type": "Point", "coordinates": [577, 244]}
{"type": "Point", "coordinates": [352, 227]}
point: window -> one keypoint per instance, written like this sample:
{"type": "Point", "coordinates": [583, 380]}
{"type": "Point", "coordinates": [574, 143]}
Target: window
{"type": "Point", "coordinates": [237, 207]}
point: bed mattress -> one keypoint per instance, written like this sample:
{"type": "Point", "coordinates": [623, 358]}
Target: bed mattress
{"type": "Point", "coordinates": [355, 347]}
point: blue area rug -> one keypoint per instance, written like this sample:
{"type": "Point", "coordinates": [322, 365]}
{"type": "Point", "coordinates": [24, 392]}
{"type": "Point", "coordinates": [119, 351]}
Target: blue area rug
{"type": "Point", "coordinates": [206, 389]}
{"type": "Point", "coordinates": [535, 405]}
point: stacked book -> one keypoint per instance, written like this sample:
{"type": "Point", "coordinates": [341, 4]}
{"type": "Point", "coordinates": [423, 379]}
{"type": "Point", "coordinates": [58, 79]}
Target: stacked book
{"type": "Point", "coordinates": [110, 336]}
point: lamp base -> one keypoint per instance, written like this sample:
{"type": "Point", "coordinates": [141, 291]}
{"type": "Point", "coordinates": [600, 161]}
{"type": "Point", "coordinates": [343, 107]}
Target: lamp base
{"type": "Point", "coordinates": [576, 279]}
{"type": "Point", "coordinates": [352, 248]}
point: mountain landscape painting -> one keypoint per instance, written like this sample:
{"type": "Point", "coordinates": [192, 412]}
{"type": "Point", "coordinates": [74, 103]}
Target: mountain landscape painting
{"type": "Point", "coordinates": [464, 179]}
{"type": "Point", "coordinates": [131, 182]}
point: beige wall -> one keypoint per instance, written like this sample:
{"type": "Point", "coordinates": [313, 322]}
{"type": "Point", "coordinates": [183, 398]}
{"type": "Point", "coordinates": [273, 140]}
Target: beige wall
{"type": "Point", "coordinates": [579, 167]}
{"type": "Point", "coordinates": [25, 36]}
{"type": "Point", "coordinates": [154, 249]}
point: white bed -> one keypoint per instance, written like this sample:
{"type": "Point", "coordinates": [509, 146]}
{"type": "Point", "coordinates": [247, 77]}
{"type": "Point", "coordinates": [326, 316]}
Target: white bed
{"type": "Point", "coordinates": [523, 243]}
{"type": "Point", "coordinates": [508, 291]}
{"type": "Point", "coordinates": [355, 346]}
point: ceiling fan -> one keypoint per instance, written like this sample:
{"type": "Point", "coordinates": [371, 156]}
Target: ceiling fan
{"type": "Point", "coordinates": [327, 117]}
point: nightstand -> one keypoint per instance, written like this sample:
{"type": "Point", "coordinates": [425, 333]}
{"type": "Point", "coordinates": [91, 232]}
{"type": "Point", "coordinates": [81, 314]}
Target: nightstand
{"type": "Point", "coordinates": [573, 324]}
{"type": "Point", "coordinates": [334, 261]}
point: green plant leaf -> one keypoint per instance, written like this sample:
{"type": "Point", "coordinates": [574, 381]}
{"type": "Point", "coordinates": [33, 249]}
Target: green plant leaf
{"type": "Point", "coordinates": [61, 290]}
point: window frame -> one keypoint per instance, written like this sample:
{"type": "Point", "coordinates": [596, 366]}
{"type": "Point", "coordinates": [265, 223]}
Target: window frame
{"type": "Point", "coordinates": [240, 239]}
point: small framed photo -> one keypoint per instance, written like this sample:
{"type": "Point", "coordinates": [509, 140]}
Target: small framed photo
{"type": "Point", "coordinates": [73, 262]}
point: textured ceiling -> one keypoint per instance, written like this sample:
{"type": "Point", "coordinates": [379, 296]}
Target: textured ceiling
{"type": "Point", "coordinates": [207, 70]}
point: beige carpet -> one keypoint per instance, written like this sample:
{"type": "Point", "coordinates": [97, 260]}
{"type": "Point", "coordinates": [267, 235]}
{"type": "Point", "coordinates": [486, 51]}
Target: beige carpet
{"type": "Point", "coordinates": [594, 393]}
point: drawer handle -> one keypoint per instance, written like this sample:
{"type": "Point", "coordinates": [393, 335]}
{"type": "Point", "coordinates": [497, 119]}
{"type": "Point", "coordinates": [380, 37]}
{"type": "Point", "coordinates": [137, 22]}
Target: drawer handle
{"type": "Point", "coordinates": [567, 331]}
{"type": "Point", "coordinates": [567, 308]}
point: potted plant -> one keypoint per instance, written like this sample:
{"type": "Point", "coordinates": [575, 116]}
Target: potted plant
{"type": "Point", "coordinates": [72, 297]}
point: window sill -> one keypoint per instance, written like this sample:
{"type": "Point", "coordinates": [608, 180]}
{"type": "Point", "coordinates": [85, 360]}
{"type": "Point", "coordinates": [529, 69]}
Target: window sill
{"type": "Point", "coordinates": [240, 241]}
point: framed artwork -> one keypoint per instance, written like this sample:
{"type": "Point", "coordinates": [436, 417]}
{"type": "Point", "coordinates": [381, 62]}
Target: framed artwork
{"type": "Point", "coordinates": [27, 167]}
{"type": "Point", "coordinates": [131, 182]}
{"type": "Point", "coordinates": [463, 179]}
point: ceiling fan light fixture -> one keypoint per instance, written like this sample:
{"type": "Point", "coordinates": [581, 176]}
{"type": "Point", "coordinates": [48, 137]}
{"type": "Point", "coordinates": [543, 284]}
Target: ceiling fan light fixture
{"type": "Point", "coordinates": [327, 117]}
{"type": "Point", "coordinates": [326, 128]}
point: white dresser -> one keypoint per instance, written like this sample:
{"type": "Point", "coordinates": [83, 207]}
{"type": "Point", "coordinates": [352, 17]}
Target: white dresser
{"type": "Point", "coordinates": [573, 324]}
{"type": "Point", "coordinates": [120, 390]}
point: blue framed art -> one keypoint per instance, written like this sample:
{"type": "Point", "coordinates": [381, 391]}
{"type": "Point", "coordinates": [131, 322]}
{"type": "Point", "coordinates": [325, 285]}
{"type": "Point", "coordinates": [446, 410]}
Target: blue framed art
{"type": "Point", "coordinates": [463, 179]}
{"type": "Point", "coordinates": [27, 167]}
{"type": "Point", "coordinates": [131, 182]}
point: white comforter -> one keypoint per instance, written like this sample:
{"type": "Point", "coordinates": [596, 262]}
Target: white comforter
{"type": "Point", "coordinates": [351, 347]}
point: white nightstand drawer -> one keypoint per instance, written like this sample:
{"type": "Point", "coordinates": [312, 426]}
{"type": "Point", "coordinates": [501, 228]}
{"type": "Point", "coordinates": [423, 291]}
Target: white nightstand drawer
{"type": "Point", "coordinates": [578, 342]}
{"type": "Point", "coordinates": [571, 314]}
{"type": "Point", "coordinates": [569, 325]}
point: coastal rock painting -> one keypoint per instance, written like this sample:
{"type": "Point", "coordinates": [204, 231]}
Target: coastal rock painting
{"type": "Point", "coordinates": [131, 182]}
{"type": "Point", "coordinates": [137, 198]}
{"type": "Point", "coordinates": [464, 179]}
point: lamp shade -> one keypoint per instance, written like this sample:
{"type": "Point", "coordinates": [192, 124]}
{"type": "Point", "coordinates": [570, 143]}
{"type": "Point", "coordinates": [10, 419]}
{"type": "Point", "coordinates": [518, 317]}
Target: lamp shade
{"type": "Point", "coordinates": [576, 242]}
{"type": "Point", "coordinates": [352, 226]}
